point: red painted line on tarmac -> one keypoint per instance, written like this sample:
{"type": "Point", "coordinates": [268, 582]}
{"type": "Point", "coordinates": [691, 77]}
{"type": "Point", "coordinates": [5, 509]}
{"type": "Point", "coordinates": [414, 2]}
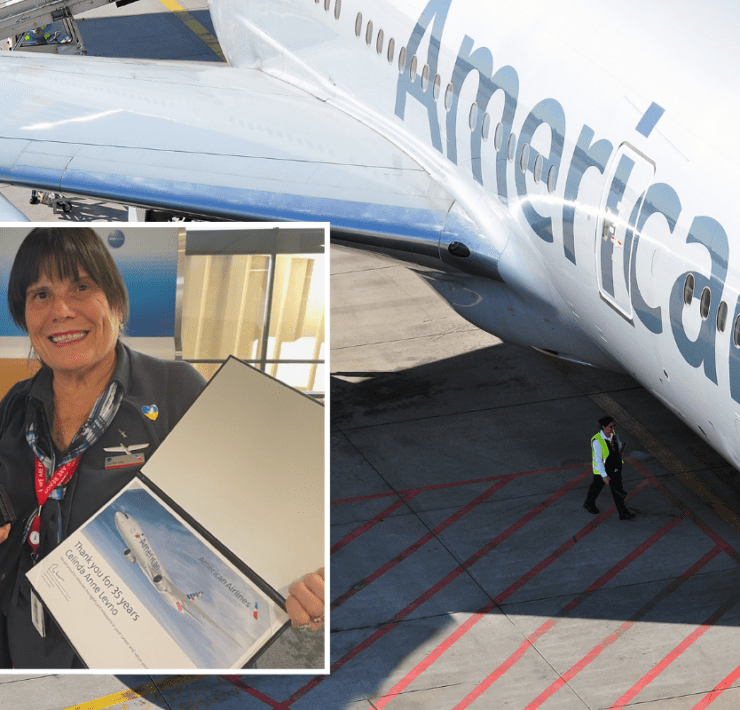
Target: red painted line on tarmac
{"type": "Point", "coordinates": [542, 630]}
{"type": "Point", "coordinates": [236, 681]}
{"type": "Point", "coordinates": [360, 499]}
{"type": "Point", "coordinates": [640, 549]}
{"type": "Point", "coordinates": [433, 656]}
{"type": "Point", "coordinates": [649, 677]}
{"type": "Point", "coordinates": [503, 668]}
{"type": "Point", "coordinates": [704, 527]}
{"type": "Point", "coordinates": [563, 549]}
{"type": "Point", "coordinates": [718, 690]}
{"type": "Point", "coordinates": [369, 524]}
{"type": "Point", "coordinates": [455, 484]}
{"type": "Point", "coordinates": [419, 543]}
{"type": "Point", "coordinates": [490, 546]}
{"type": "Point", "coordinates": [477, 556]}
{"type": "Point", "coordinates": [596, 651]}
{"type": "Point", "coordinates": [412, 493]}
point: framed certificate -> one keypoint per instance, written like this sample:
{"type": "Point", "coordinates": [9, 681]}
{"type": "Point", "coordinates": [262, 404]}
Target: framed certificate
{"type": "Point", "coordinates": [188, 566]}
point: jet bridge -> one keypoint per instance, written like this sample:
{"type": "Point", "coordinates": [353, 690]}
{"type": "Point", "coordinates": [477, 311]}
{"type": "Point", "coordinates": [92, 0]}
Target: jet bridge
{"type": "Point", "coordinates": [46, 25]}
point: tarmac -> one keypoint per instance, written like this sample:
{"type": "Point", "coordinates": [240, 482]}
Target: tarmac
{"type": "Point", "coordinates": [464, 571]}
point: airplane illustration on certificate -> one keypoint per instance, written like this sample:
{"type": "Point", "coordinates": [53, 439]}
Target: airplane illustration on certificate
{"type": "Point", "coordinates": [139, 549]}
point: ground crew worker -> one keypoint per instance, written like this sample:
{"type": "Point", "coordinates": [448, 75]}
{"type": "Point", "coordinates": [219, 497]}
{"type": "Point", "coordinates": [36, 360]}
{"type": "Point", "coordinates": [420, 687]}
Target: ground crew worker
{"type": "Point", "coordinates": [38, 36]}
{"type": "Point", "coordinates": [606, 455]}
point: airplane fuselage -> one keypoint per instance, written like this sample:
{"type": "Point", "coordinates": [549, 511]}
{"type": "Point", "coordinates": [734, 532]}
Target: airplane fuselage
{"type": "Point", "coordinates": [139, 550]}
{"type": "Point", "coordinates": [588, 144]}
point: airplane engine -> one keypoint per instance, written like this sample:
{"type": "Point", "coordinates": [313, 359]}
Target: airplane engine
{"type": "Point", "coordinates": [128, 555]}
{"type": "Point", "coordinates": [159, 582]}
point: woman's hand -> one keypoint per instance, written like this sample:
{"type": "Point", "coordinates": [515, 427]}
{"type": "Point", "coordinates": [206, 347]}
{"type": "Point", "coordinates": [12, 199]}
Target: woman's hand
{"type": "Point", "coordinates": [5, 531]}
{"type": "Point", "coordinates": [305, 604]}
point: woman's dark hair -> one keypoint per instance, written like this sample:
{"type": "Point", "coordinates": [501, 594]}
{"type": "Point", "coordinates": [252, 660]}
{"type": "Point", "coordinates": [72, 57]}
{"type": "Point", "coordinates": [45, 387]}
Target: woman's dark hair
{"type": "Point", "coordinates": [62, 252]}
{"type": "Point", "coordinates": [605, 421]}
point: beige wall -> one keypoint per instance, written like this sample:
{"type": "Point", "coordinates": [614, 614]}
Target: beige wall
{"type": "Point", "coordinates": [12, 371]}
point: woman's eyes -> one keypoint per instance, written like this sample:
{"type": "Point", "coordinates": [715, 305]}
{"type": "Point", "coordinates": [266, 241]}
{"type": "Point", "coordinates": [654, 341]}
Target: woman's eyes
{"type": "Point", "coordinates": [81, 287]}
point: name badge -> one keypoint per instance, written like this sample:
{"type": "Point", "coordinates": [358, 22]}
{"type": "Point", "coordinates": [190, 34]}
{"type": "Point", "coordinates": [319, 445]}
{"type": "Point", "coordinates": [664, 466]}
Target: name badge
{"type": "Point", "coordinates": [37, 614]}
{"type": "Point", "coordinates": [123, 461]}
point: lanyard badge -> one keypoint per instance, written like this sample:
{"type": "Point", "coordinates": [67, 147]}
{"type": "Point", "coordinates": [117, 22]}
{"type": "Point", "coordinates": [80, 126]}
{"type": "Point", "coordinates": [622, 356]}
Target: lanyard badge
{"type": "Point", "coordinates": [43, 489]}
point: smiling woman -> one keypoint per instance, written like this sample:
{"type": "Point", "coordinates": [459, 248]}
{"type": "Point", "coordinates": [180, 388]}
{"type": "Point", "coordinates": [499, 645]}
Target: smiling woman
{"type": "Point", "coordinates": [91, 393]}
{"type": "Point", "coordinates": [66, 292]}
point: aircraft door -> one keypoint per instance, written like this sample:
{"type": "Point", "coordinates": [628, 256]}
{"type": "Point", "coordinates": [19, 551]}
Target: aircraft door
{"type": "Point", "coordinates": [627, 179]}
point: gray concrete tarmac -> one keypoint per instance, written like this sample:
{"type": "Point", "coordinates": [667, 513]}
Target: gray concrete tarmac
{"type": "Point", "coordinates": [465, 571]}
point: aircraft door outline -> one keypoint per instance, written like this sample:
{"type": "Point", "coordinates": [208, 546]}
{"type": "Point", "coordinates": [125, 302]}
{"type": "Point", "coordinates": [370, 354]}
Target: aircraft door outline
{"type": "Point", "coordinates": [627, 179]}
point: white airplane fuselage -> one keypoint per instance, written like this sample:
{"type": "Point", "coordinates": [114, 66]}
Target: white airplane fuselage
{"type": "Point", "coordinates": [139, 550]}
{"type": "Point", "coordinates": [589, 150]}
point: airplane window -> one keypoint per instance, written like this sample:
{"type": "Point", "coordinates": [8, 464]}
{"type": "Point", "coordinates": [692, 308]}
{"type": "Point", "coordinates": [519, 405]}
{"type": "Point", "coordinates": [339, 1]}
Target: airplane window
{"type": "Point", "coordinates": [358, 24]}
{"type": "Point", "coordinates": [402, 60]}
{"type": "Point", "coordinates": [498, 136]}
{"type": "Point", "coordinates": [379, 43]}
{"type": "Point", "coordinates": [736, 333]}
{"type": "Point", "coordinates": [412, 68]}
{"type": "Point", "coordinates": [337, 9]}
{"type": "Point", "coordinates": [473, 117]}
{"type": "Point", "coordinates": [436, 87]}
{"type": "Point", "coordinates": [391, 49]}
{"type": "Point", "coordinates": [706, 299]}
{"type": "Point", "coordinates": [448, 96]}
{"type": "Point", "coordinates": [511, 147]}
{"type": "Point", "coordinates": [688, 289]}
{"type": "Point", "coordinates": [425, 78]}
{"type": "Point", "coordinates": [524, 158]}
{"type": "Point", "coordinates": [552, 177]}
{"type": "Point", "coordinates": [722, 317]}
{"type": "Point", "coordinates": [369, 33]}
{"type": "Point", "coordinates": [486, 126]}
{"type": "Point", "coordinates": [539, 163]}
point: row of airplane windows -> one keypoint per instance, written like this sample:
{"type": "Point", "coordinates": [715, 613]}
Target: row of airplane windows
{"type": "Point", "coordinates": [705, 301]}
{"type": "Point", "coordinates": [485, 123]}
{"type": "Point", "coordinates": [337, 7]}
{"type": "Point", "coordinates": [539, 161]}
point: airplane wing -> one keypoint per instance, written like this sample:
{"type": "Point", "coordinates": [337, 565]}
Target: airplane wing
{"type": "Point", "coordinates": [207, 139]}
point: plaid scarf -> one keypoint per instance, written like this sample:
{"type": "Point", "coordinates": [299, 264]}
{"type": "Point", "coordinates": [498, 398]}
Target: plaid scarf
{"type": "Point", "coordinates": [99, 420]}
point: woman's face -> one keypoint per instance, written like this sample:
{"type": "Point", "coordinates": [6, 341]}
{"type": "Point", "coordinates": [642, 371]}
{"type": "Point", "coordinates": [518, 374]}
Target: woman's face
{"type": "Point", "coordinates": [71, 325]}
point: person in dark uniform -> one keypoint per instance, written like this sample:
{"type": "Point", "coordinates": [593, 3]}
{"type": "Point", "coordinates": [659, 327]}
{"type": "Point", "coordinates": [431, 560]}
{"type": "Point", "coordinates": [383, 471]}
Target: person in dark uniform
{"type": "Point", "coordinates": [92, 390]}
{"type": "Point", "coordinates": [606, 455]}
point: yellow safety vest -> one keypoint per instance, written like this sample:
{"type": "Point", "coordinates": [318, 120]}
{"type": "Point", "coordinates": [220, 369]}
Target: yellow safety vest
{"type": "Point", "coordinates": [604, 452]}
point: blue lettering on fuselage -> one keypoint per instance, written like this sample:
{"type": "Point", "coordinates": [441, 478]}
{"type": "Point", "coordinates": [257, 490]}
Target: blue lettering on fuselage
{"type": "Point", "coordinates": [437, 11]}
{"type": "Point", "coordinates": [709, 233]}
{"type": "Point", "coordinates": [659, 199]}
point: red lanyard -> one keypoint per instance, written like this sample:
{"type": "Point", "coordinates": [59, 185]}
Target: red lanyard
{"type": "Point", "coordinates": [62, 475]}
